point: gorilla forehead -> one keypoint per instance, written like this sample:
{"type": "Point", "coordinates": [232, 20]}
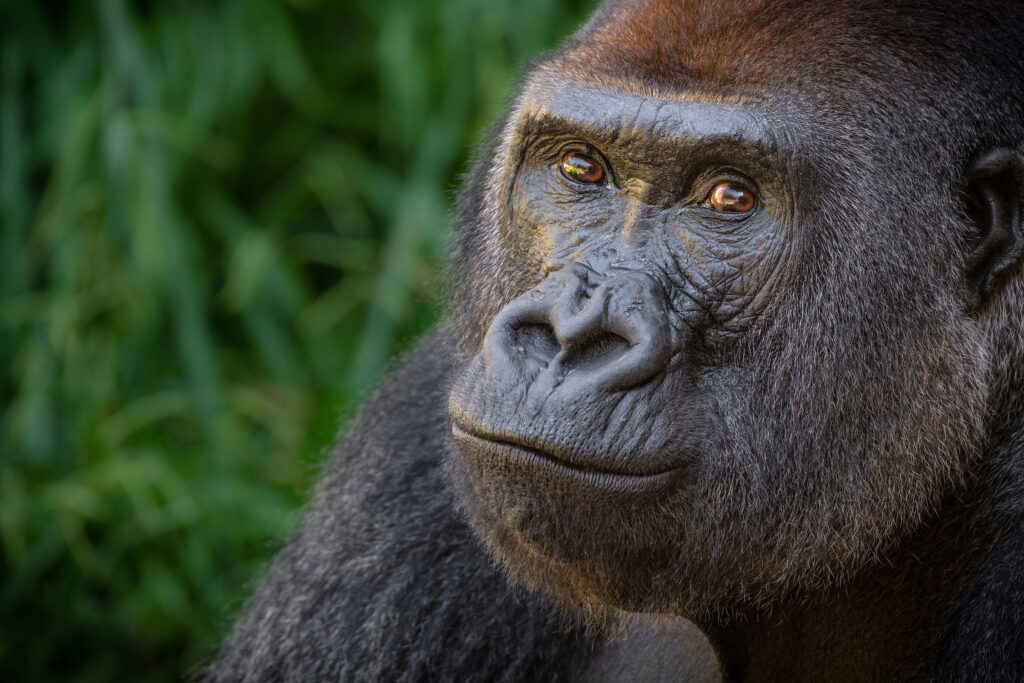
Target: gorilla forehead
{"type": "Point", "coordinates": [681, 116]}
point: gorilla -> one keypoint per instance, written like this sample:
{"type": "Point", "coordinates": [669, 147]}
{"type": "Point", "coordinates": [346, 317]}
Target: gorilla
{"type": "Point", "coordinates": [735, 353]}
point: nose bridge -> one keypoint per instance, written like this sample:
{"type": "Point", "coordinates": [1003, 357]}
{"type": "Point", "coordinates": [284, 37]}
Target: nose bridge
{"type": "Point", "coordinates": [623, 244]}
{"type": "Point", "coordinates": [631, 227]}
{"type": "Point", "coordinates": [600, 257]}
{"type": "Point", "coordinates": [639, 194]}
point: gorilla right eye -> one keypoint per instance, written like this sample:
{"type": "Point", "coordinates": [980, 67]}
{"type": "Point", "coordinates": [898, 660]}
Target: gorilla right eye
{"type": "Point", "coordinates": [582, 168]}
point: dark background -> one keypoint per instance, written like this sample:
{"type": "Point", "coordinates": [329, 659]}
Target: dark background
{"type": "Point", "coordinates": [218, 221]}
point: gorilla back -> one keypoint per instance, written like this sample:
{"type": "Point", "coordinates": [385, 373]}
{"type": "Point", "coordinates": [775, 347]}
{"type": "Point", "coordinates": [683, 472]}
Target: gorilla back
{"type": "Point", "coordinates": [738, 337]}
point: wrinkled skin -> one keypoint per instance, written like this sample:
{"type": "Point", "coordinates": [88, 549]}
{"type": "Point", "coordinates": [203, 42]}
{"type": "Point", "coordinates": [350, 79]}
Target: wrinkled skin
{"type": "Point", "coordinates": [796, 420]}
{"type": "Point", "coordinates": [644, 380]}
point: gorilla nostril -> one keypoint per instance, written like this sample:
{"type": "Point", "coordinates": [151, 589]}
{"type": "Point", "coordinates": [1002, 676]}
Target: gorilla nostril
{"type": "Point", "coordinates": [535, 340]}
{"type": "Point", "coordinates": [596, 350]}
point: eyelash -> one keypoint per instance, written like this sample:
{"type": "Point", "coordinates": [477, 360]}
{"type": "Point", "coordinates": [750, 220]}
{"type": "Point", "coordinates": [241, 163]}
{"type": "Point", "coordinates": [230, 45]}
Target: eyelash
{"type": "Point", "coordinates": [708, 180]}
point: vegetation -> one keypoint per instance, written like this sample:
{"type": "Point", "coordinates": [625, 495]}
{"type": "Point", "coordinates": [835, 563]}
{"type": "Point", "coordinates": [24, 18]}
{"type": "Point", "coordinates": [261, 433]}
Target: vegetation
{"type": "Point", "coordinates": [217, 223]}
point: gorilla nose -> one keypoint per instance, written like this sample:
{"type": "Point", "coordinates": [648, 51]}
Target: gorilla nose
{"type": "Point", "coordinates": [583, 329]}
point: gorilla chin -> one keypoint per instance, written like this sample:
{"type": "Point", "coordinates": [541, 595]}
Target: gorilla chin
{"type": "Point", "coordinates": [574, 531]}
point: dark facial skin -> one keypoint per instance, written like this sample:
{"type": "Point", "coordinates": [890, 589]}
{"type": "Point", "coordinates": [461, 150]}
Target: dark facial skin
{"type": "Point", "coordinates": [641, 278]}
{"type": "Point", "coordinates": [596, 385]}
{"type": "Point", "coordinates": [639, 428]}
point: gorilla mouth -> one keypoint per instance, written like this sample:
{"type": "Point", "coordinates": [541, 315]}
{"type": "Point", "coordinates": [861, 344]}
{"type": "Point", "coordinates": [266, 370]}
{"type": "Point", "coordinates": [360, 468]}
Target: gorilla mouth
{"type": "Point", "coordinates": [521, 448]}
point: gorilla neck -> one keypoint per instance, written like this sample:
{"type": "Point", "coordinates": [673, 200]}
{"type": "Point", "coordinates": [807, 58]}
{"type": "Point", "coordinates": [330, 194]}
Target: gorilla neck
{"type": "Point", "coordinates": [884, 624]}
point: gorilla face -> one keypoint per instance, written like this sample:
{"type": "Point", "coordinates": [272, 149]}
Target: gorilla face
{"type": "Point", "coordinates": [726, 350]}
{"type": "Point", "coordinates": [641, 269]}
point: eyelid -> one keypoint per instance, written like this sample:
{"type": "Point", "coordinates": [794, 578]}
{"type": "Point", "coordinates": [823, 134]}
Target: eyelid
{"type": "Point", "coordinates": [706, 183]}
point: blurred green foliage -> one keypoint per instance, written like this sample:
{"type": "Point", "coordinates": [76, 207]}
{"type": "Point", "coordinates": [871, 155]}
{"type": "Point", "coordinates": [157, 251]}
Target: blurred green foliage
{"type": "Point", "coordinates": [217, 223]}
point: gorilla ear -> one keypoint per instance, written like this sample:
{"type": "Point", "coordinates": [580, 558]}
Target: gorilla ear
{"type": "Point", "coordinates": [995, 203]}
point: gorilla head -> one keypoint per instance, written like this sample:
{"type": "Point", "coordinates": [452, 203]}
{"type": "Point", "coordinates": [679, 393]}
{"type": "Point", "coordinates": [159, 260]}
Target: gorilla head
{"type": "Point", "coordinates": [737, 297]}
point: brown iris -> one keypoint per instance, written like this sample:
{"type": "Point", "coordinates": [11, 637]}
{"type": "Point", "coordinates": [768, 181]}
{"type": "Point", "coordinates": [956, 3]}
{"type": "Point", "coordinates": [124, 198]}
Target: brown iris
{"type": "Point", "coordinates": [730, 198]}
{"type": "Point", "coordinates": [582, 168]}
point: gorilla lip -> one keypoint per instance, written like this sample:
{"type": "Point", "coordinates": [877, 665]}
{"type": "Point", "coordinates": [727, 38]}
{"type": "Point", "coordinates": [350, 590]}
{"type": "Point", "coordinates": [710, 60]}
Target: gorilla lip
{"type": "Point", "coordinates": [524, 448]}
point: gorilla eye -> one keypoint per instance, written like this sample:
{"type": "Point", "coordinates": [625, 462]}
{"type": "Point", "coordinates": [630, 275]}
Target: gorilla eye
{"type": "Point", "coordinates": [730, 198]}
{"type": "Point", "coordinates": [582, 168]}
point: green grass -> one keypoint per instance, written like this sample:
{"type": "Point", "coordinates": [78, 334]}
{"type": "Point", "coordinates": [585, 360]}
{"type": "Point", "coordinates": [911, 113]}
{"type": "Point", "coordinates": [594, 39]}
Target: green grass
{"type": "Point", "coordinates": [218, 221]}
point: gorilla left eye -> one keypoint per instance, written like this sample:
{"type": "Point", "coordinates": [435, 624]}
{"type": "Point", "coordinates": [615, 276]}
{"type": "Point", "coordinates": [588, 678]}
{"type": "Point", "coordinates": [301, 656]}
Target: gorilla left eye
{"type": "Point", "coordinates": [582, 168]}
{"type": "Point", "coordinates": [730, 198]}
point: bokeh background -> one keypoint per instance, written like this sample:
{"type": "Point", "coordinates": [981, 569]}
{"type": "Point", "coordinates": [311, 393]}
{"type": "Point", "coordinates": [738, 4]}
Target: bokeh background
{"type": "Point", "coordinates": [218, 221]}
